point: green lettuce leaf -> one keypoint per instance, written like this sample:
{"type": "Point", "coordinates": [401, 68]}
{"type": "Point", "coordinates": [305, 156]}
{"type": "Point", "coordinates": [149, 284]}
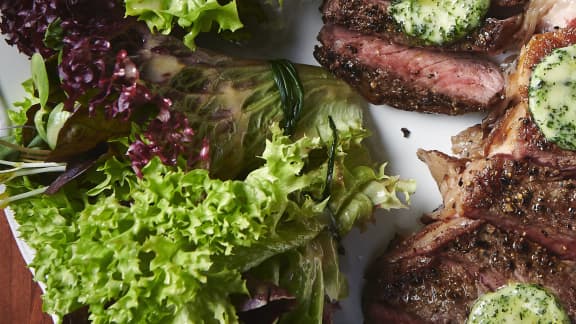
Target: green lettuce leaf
{"type": "Point", "coordinates": [175, 251]}
{"type": "Point", "coordinates": [193, 16]}
{"type": "Point", "coordinates": [311, 273]}
{"type": "Point", "coordinates": [233, 103]}
{"type": "Point", "coordinates": [17, 115]}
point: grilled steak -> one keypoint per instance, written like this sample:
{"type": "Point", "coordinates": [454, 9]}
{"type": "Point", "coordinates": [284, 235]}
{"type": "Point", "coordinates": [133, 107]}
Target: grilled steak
{"type": "Point", "coordinates": [508, 215]}
{"type": "Point", "coordinates": [514, 177]}
{"type": "Point", "coordinates": [531, 54]}
{"type": "Point", "coordinates": [410, 78]}
{"type": "Point", "coordinates": [437, 274]}
{"type": "Point", "coordinates": [517, 137]}
{"type": "Point", "coordinates": [536, 200]}
{"type": "Point", "coordinates": [512, 133]}
{"type": "Point", "coordinates": [495, 35]}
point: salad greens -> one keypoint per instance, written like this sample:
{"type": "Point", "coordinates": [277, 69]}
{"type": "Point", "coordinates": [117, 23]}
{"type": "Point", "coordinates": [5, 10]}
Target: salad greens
{"type": "Point", "coordinates": [173, 245]}
{"type": "Point", "coordinates": [193, 16]}
{"type": "Point", "coordinates": [233, 102]}
{"type": "Point", "coordinates": [163, 185]}
{"type": "Point", "coordinates": [169, 247]}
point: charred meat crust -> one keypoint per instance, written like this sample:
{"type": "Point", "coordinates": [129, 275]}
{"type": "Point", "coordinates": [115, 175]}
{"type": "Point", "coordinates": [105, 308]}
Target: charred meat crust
{"type": "Point", "coordinates": [537, 201]}
{"type": "Point", "coordinates": [516, 195]}
{"type": "Point", "coordinates": [509, 214]}
{"type": "Point", "coordinates": [441, 285]}
{"type": "Point", "coordinates": [371, 17]}
{"type": "Point", "coordinates": [412, 79]}
{"type": "Point", "coordinates": [387, 87]}
{"type": "Point", "coordinates": [516, 136]}
{"type": "Point", "coordinates": [532, 53]}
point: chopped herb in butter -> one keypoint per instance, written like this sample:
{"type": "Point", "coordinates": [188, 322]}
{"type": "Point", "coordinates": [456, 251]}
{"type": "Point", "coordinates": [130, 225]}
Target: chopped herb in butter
{"type": "Point", "coordinates": [552, 97]}
{"type": "Point", "coordinates": [518, 303]}
{"type": "Point", "coordinates": [438, 22]}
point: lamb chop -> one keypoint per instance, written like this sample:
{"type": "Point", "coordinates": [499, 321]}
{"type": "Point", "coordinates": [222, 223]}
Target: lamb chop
{"type": "Point", "coordinates": [519, 195]}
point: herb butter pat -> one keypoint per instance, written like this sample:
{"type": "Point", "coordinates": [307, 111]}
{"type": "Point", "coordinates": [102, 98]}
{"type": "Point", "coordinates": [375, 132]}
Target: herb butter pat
{"type": "Point", "coordinates": [518, 303]}
{"type": "Point", "coordinates": [438, 21]}
{"type": "Point", "coordinates": [552, 97]}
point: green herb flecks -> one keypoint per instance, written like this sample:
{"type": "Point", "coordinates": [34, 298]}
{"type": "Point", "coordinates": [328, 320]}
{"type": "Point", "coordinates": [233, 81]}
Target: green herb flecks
{"type": "Point", "coordinates": [552, 97]}
{"type": "Point", "coordinates": [438, 22]}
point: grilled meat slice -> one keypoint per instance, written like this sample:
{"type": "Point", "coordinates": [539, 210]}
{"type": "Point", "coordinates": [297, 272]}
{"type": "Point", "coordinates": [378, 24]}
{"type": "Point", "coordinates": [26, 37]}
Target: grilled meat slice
{"type": "Point", "coordinates": [496, 34]}
{"type": "Point", "coordinates": [469, 143]}
{"type": "Point", "coordinates": [462, 259]}
{"type": "Point", "coordinates": [410, 78]}
{"type": "Point", "coordinates": [511, 132]}
{"type": "Point", "coordinates": [516, 136]}
{"type": "Point", "coordinates": [539, 201]}
{"type": "Point", "coordinates": [531, 54]}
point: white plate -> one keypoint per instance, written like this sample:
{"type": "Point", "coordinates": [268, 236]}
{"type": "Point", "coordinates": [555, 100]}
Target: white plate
{"type": "Point", "coordinates": [387, 143]}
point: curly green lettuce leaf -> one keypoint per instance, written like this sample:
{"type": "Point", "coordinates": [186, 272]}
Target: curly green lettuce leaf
{"type": "Point", "coordinates": [359, 189]}
{"type": "Point", "coordinates": [175, 251]}
{"type": "Point", "coordinates": [193, 16]}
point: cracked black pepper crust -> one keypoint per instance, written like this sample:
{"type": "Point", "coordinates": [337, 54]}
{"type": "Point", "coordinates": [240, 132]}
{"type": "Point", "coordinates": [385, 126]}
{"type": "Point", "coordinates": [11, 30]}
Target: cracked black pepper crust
{"type": "Point", "coordinates": [371, 17]}
{"type": "Point", "coordinates": [441, 286]}
{"type": "Point", "coordinates": [385, 87]}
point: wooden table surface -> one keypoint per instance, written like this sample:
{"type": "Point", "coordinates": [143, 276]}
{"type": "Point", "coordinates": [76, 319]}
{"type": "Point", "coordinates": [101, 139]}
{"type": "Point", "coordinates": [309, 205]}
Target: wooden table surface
{"type": "Point", "coordinates": [20, 301]}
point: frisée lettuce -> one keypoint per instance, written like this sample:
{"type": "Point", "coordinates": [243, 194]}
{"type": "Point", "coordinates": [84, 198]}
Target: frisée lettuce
{"type": "Point", "coordinates": [172, 246]}
{"type": "Point", "coordinates": [194, 16]}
